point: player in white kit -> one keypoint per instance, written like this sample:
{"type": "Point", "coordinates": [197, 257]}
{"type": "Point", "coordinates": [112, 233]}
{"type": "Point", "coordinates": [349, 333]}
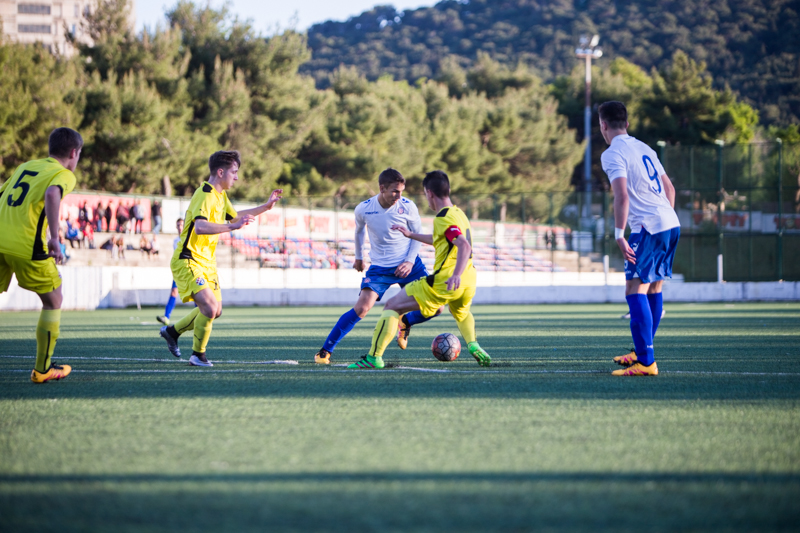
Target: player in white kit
{"type": "Point", "coordinates": [393, 258]}
{"type": "Point", "coordinates": [644, 198]}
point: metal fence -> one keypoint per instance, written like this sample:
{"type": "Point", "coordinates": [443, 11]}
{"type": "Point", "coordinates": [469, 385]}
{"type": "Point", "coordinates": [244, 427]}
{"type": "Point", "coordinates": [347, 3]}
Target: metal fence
{"type": "Point", "coordinates": [739, 207]}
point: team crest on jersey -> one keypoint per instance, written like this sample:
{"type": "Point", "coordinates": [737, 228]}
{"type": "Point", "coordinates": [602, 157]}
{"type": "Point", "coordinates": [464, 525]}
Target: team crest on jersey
{"type": "Point", "coordinates": [200, 281]}
{"type": "Point", "coordinates": [400, 210]}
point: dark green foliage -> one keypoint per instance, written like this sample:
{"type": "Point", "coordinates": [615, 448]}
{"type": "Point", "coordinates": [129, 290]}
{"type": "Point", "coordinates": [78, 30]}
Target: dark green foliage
{"type": "Point", "coordinates": [754, 47]}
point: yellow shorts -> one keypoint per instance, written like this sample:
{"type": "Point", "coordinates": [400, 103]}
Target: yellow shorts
{"type": "Point", "coordinates": [430, 299]}
{"type": "Point", "coordinates": [192, 278]}
{"type": "Point", "coordinates": [40, 277]}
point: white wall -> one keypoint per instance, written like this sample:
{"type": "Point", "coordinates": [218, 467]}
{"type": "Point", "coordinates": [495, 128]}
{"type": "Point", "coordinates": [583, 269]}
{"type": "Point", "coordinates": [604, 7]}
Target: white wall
{"type": "Point", "coordinates": [109, 287]}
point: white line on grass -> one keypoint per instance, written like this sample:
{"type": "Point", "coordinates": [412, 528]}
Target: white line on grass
{"type": "Point", "coordinates": [409, 369]}
{"type": "Point", "coordinates": [173, 361]}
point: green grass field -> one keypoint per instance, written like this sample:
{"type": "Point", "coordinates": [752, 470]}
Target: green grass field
{"type": "Point", "coordinates": [545, 439]}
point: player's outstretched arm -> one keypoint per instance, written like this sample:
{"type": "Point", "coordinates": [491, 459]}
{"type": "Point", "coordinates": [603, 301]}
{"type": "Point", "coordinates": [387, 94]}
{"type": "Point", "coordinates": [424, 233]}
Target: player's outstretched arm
{"type": "Point", "coordinates": [52, 206]}
{"type": "Point", "coordinates": [421, 237]}
{"type": "Point", "coordinates": [462, 258]}
{"type": "Point", "coordinates": [204, 227]}
{"type": "Point", "coordinates": [274, 197]}
{"type": "Point", "coordinates": [669, 189]}
{"type": "Point", "coordinates": [620, 188]}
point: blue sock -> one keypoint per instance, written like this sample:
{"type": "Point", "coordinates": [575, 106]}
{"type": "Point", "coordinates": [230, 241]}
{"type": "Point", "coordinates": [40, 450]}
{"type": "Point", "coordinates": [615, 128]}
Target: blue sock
{"type": "Point", "coordinates": [170, 306]}
{"type": "Point", "coordinates": [641, 327]}
{"type": "Point", "coordinates": [415, 317]}
{"type": "Point", "coordinates": [656, 302]}
{"type": "Point", "coordinates": [346, 323]}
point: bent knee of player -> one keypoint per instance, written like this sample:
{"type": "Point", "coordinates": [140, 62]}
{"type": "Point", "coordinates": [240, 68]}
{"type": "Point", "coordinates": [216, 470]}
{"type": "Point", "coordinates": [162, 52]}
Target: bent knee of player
{"type": "Point", "coordinates": [655, 287]}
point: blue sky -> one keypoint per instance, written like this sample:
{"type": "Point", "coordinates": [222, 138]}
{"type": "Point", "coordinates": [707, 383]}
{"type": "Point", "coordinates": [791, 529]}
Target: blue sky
{"type": "Point", "coordinates": [268, 15]}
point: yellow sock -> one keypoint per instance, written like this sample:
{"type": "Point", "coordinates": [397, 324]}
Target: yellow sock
{"type": "Point", "coordinates": [186, 323]}
{"type": "Point", "coordinates": [467, 328]}
{"type": "Point", "coordinates": [46, 335]}
{"type": "Point", "coordinates": [202, 332]}
{"type": "Point", "coordinates": [385, 331]}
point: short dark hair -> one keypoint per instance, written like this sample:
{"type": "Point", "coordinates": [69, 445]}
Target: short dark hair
{"type": "Point", "coordinates": [390, 176]}
{"type": "Point", "coordinates": [438, 183]}
{"type": "Point", "coordinates": [62, 141]}
{"type": "Point", "coordinates": [614, 114]}
{"type": "Point", "coordinates": [223, 159]}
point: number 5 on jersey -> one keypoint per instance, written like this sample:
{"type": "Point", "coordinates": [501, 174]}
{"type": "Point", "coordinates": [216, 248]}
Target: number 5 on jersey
{"type": "Point", "coordinates": [20, 185]}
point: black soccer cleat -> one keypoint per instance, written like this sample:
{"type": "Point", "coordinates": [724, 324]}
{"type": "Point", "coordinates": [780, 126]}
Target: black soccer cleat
{"type": "Point", "coordinates": [172, 342]}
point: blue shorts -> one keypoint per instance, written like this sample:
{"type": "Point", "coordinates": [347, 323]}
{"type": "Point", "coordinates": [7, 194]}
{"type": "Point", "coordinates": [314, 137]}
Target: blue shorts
{"type": "Point", "coordinates": [174, 285]}
{"type": "Point", "coordinates": [654, 255]}
{"type": "Point", "coordinates": [379, 279]}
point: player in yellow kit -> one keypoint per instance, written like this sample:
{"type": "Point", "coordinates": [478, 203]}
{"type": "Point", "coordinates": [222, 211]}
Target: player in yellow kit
{"type": "Point", "coordinates": [29, 207]}
{"type": "Point", "coordinates": [194, 263]}
{"type": "Point", "coordinates": [452, 283]}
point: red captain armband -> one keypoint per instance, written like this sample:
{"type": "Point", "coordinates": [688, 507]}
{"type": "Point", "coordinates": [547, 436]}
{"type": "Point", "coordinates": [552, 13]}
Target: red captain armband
{"type": "Point", "coordinates": [452, 233]}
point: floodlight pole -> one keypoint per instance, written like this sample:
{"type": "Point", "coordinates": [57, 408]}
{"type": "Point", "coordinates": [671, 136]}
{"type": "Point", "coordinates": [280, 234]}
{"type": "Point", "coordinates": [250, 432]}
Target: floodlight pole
{"type": "Point", "coordinates": [587, 50]}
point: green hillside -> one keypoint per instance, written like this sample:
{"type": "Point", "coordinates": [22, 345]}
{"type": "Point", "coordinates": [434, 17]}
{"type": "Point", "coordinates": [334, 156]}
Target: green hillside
{"type": "Point", "coordinates": [751, 45]}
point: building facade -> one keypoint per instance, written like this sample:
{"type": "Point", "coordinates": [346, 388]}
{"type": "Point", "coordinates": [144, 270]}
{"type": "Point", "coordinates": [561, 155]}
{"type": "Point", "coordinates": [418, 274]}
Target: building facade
{"type": "Point", "coordinates": [47, 22]}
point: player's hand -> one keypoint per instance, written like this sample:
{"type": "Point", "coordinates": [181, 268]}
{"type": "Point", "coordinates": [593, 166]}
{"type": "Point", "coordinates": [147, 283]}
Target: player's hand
{"type": "Point", "coordinates": [404, 269]}
{"type": "Point", "coordinates": [54, 250]}
{"type": "Point", "coordinates": [404, 230]}
{"type": "Point", "coordinates": [453, 283]}
{"type": "Point", "coordinates": [627, 251]}
{"type": "Point", "coordinates": [274, 196]}
{"type": "Point", "coordinates": [358, 264]}
{"type": "Point", "coordinates": [241, 220]}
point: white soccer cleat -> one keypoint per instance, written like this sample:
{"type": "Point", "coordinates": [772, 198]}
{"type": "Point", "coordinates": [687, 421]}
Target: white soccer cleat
{"type": "Point", "coordinates": [196, 361]}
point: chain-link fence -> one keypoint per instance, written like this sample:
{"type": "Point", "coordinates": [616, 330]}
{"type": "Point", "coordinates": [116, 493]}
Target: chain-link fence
{"type": "Point", "coordinates": [738, 219]}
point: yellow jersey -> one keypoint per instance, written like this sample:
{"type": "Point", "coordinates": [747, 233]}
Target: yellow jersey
{"type": "Point", "coordinates": [23, 221]}
{"type": "Point", "coordinates": [449, 223]}
{"type": "Point", "coordinates": [207, 204]}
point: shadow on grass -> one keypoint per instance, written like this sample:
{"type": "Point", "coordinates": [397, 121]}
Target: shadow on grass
{"type": "Point", "coordinates": [493, 501]}
{"type": "Point", "coordinates": [312, 382]}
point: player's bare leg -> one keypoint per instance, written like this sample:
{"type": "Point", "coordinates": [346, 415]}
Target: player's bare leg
{"type": "Point", "coordinates": [47, 332]}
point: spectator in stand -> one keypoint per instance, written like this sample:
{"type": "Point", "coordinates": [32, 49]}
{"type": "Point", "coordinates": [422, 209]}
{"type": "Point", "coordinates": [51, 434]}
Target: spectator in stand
{"type": "Point", "coordinates": [155, 216]}
{"type": "Point", "coordinates": [118, 249]}
{"type": "Point", "coordinates": [123, 216]}
{"type": "Point", "coordinates": [88, 236]}
{"type": "Point", "coordinates": [63, 246]}
{"type": "Point", "coordinates": [109, 213]}
{"type": "Point", "coordinates": [99, 215]}
{"type": "Point", "coordinates": [146, 246]}
{"type": "Point", "coordinates": [83, 215]}
{"type": "Point", "coordinates": [73, 234]}
{"type": "Point", "coordinates": [137, 216]}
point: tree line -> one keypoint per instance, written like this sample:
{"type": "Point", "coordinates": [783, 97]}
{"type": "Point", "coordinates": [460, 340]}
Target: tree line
{"type": "Point", "coordinates": [152, 106]}
{"type": "Point", "coordinates": [751, 46]}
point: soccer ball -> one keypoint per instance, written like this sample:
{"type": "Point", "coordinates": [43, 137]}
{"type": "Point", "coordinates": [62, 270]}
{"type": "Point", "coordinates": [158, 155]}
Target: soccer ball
{"type": "Point", "coordinates": [446, 347]}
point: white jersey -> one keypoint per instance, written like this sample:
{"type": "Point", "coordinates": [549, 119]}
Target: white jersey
{"type": "Point", "coordinates": [649, 208]}
{"type": "Point", "coordinates": [176, 242]}
{"type": "Point", "coordinates": [388, 248]}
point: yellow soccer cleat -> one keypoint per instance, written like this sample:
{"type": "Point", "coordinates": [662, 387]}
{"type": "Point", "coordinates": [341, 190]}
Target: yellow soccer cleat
{"type": "Point", "coordinates": [637, 369]}
{"type": "Point", "coordinates": [56, 372]}
{"type": "Point", "coordinates": [322, 357]}
{"type": "Point", "coordinates": [402, 335]}
{"type": "Point", "coordinates": [626, 360]}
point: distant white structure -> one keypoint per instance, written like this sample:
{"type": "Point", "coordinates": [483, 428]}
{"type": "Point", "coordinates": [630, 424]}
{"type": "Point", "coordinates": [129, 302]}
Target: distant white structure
{"type": "Point", "coordinates": [47, 22]}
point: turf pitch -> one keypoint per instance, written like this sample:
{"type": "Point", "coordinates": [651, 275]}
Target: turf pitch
{"type": "Point", "coordinates": [545, 439]}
